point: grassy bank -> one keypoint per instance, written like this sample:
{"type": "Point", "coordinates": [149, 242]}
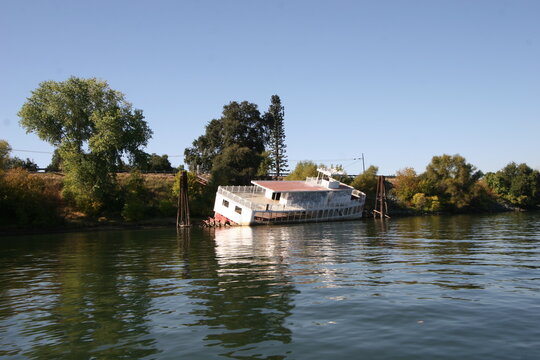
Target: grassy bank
{"type": "Point", "coordinates": [33, 202]}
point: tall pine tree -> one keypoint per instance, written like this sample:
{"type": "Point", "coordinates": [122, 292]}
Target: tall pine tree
{"type": "Point", "coordinates": [274, 118]}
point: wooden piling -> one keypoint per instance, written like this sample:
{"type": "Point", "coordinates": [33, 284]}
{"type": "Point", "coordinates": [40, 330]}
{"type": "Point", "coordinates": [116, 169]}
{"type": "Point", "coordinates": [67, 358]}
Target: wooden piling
{"type": "Point", "coordinates": [182, 215]}
{"type": "Point", "coordinates": [381, 207]}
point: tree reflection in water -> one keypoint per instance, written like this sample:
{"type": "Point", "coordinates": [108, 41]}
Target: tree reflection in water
{"type": "Point", "coordinates": [89, 304]}
{"type": "Point", "coordinates": [271, 292]}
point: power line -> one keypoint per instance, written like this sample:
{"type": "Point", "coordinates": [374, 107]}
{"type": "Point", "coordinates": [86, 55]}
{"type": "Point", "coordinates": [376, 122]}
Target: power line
{"type": "Point", "coordinates": [50, 152]}
{"type": "Point", "coordinates": [33, 151]}
{"type": "Point", "coordinates": [172, 156]}
{"type": "Point", "coordinates": [350, 159]}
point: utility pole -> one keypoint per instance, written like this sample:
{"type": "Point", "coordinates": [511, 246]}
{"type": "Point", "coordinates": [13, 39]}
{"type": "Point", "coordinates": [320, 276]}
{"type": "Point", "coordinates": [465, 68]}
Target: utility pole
{"type": "Point", "coordinates": [363, 163]}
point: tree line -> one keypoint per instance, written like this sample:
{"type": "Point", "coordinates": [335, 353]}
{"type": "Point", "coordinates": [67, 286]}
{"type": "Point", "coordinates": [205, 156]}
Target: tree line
{"type": "Point", "coordinates": [96, 133]}
{"type": "Point", "coordinates": [145, 163]}
{"type": "Point", "coordinates": [449, 184]}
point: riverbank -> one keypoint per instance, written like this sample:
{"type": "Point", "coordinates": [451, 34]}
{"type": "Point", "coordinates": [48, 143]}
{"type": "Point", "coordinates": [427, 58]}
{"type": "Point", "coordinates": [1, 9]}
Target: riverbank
{"type": "Point", "coordinates": [33, 203]}
{"type": "Point", "coordinates": [90, 226]}
{"type": "Point", "coordinates": [102, 224]}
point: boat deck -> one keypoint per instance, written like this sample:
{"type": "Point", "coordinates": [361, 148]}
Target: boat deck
{"type": "Point", "coordinates": [258, 201]}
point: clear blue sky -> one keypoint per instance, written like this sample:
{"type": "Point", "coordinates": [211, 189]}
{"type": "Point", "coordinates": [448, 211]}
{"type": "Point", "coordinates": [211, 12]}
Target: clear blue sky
{"type": "Point", "coordinates": [399, 81]}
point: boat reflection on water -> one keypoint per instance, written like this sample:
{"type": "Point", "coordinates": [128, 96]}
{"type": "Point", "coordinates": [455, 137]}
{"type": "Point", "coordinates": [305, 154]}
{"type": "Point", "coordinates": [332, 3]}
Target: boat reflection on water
{"type": "Point", "coordinates": [426, 286]}
{"type": "Point", "coordinates": [249, 245]}
{"type": "Point", "coordinates": [303, 253]}
{"type": "Point", "coordinates": [250, 296]}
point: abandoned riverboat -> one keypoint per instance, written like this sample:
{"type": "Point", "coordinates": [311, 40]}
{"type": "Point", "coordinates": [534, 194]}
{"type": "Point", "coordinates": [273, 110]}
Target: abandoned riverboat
{"type": "Point", "coordinates": [320, 198]}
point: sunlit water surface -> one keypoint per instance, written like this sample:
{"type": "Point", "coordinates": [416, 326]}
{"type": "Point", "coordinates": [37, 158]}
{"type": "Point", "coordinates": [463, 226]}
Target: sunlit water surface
{"type": "Point", "coordinates": [456, 287]}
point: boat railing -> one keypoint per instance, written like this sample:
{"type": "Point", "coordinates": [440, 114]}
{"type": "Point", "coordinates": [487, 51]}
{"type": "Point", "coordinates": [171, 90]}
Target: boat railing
{"type": "Point", "coordinates": [314, 181]}
{"type": "Point", "coordinates": [309, 215]}
{"type": "Point", "coordinates": [229, 191]}
{"type": "Point", "coordinates": [243, 189]}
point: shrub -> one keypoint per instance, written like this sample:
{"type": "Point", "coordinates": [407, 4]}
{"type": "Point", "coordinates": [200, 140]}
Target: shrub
{"type": "Point", "coordinates": [367, 183]}
{"type": "Point", "coordinates": [136, 197]}
{"type": "Point", "coordinates": [421, 202]}
{"type": "Point", "coordinates": [28, 200]}
{"type": "Point", "coordinates": [167, 208]}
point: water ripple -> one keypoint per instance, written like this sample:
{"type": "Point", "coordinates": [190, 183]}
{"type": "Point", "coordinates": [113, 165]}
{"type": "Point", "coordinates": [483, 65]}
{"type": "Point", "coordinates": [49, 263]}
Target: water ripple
{"type": "Point", "coordinates": [415, 288]}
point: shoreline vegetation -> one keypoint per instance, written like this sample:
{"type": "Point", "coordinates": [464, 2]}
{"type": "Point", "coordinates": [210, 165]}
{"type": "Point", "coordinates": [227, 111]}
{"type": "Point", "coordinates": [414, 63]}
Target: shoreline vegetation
{"type": "Point", "coordinates": [33, 202]}
{"type": "Point", "coordinates": [97, 174]}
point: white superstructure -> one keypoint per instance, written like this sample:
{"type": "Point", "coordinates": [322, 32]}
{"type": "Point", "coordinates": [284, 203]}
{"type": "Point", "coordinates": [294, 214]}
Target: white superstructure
{"type": "Point", "coordinates": [321, 198]}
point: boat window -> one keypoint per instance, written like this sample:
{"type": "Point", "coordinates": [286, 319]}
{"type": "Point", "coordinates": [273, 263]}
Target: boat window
{"type": "Point", "coordinates": [225, 203]}
{"type": "Point", "coordinates": [238, 209]}
{"type": "Point", "coordinates": [276, 196]}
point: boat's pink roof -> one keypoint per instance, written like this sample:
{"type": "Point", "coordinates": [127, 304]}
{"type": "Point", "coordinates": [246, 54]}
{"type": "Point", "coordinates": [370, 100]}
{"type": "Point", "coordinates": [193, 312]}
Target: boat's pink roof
{"type": "Point", "coordinates": [292, 186]}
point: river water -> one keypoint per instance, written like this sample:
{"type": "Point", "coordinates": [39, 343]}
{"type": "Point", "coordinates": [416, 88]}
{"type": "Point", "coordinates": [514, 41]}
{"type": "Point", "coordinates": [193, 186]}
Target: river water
{"type": "Point", "coordinates": [452, 287]}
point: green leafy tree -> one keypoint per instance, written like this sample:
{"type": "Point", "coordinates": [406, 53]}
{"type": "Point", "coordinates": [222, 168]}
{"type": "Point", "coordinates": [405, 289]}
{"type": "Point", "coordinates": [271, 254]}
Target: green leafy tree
{"type": "Point", "coordinates": [152, 163]}
{"type": "Point", "coordinates": [453, 180]}
{"type": "Point", "coordinates": [367, 183]}
{"type": "Point", "coordinates": [92, 126]}
{"type": "Point", "coordinates": [264, 166]}
{"type": "Point", "coordinates": [7, 162]}
{"type": "Point", "coordinates": [274, 118]}
{"type": "Point", "coordinates": [240, 129]}
{"type": "Point", "coordinates": [158, 163]}
{"type": "Point", "coordinates": [15, 162]}
{"type": "Point", "coordinates": [205, 148]}
{"type": "Point", "coordinates": [235, 165]}
{"type": "Point", "coordinates": [56, 162]}
{"type": "Point", "coordinates": [406, 184]}
{"type": "Point", "coordinates": [518, 184]}
{"type": "Point", "coordinates": [303, 170]}
{"type": "Point", "coordinates": [5, 150]}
